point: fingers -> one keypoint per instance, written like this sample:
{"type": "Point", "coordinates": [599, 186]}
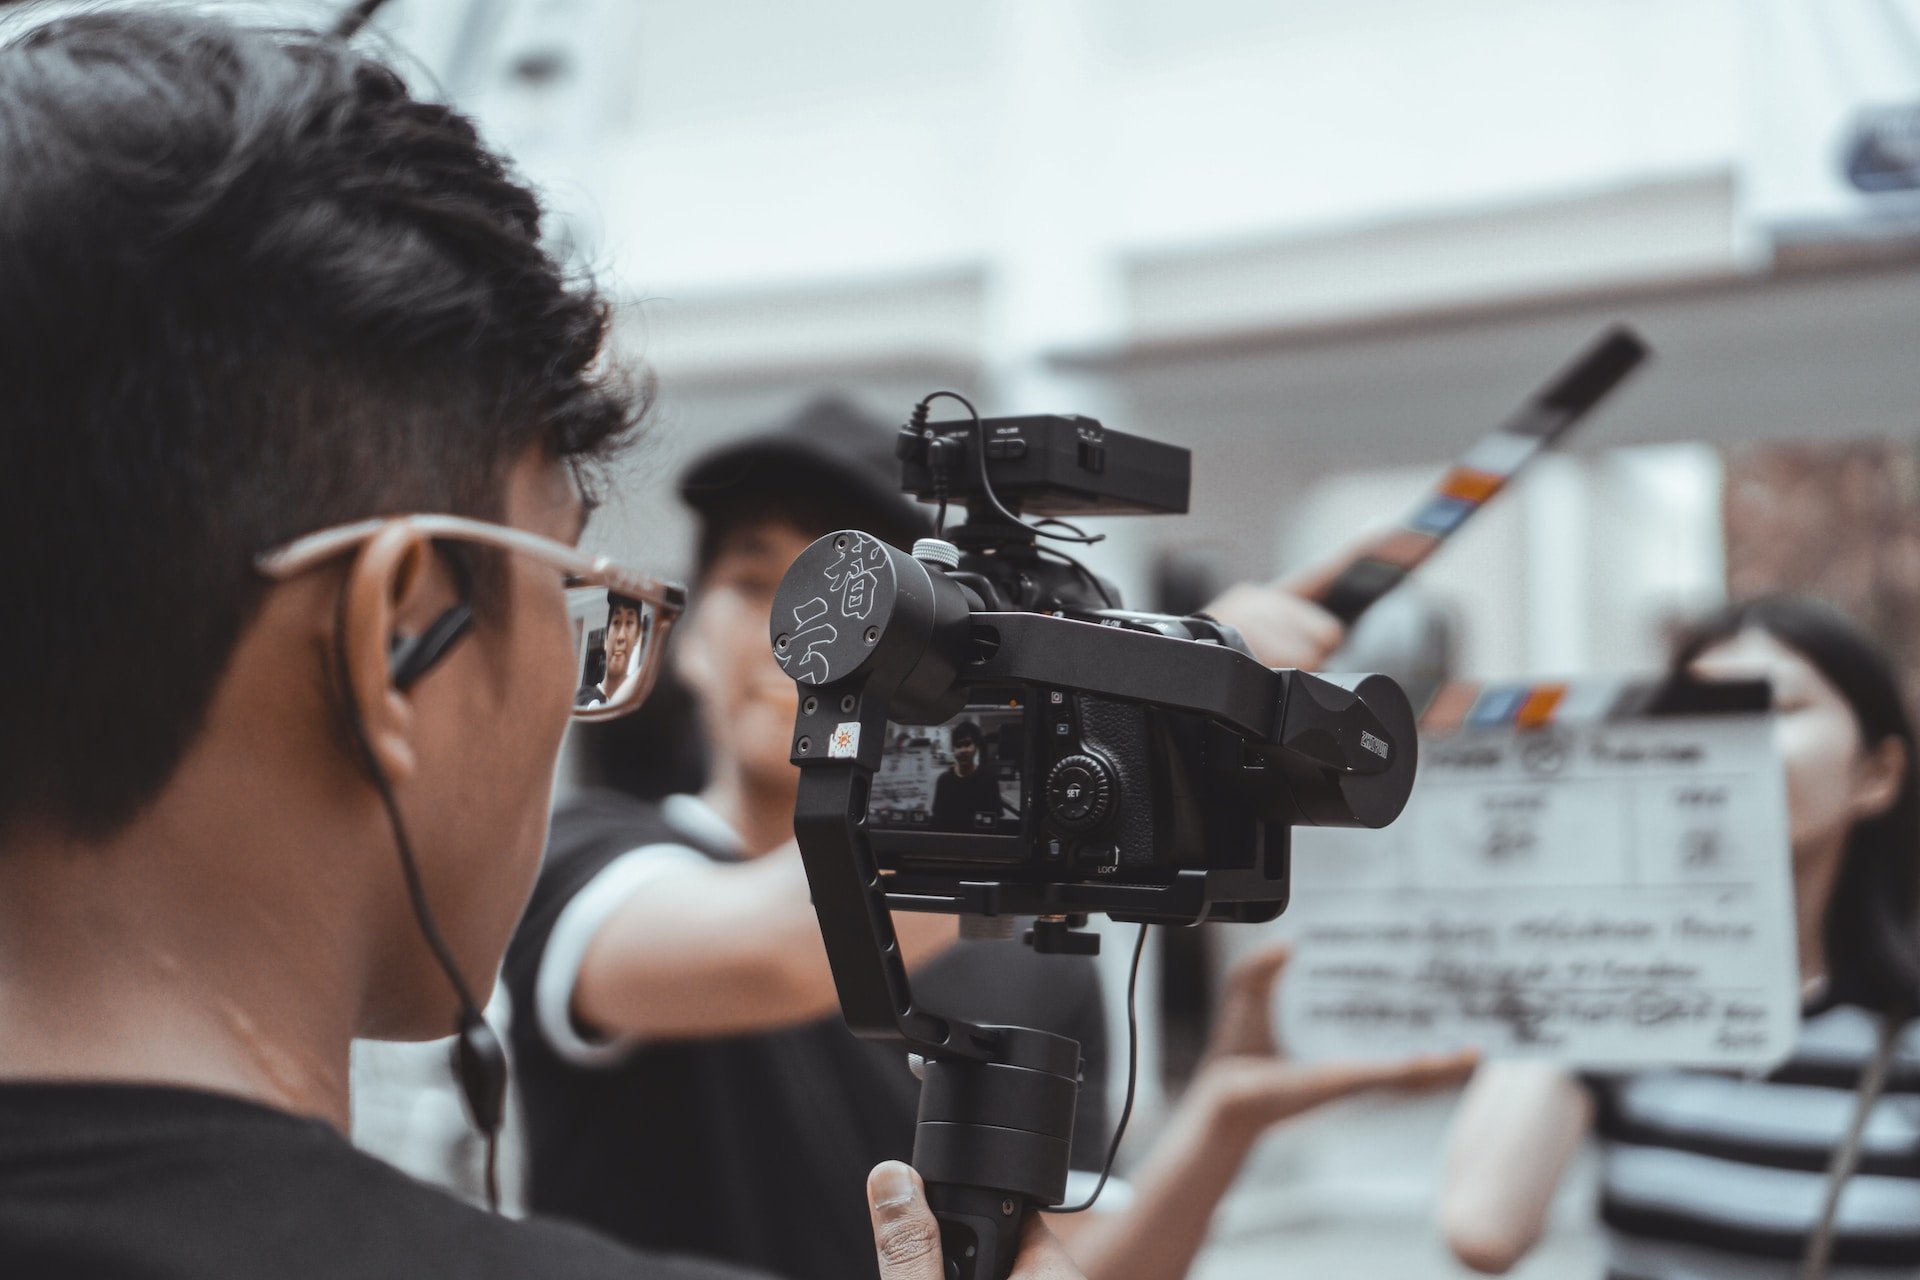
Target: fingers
{"type": "Point", "coordinates": [1041, 1256]}
{"type": "Point", "coordinates": [1282, 628]}
{"type": "Point", "coordinates": [905, 1234]}
{"type": "Point", "coordinates": [1245, 1022]}
{"type": "Point", "coordinates": [1254, 973]}
{"type": "Point", "coordinates": [1430, 1070]}
{"type": "Point", "coordinates": [1312, 582]}
{"type": "Point", "coordinates": [1262, 1092]}
{"type": "Point", "coordinates": [1427, 1071]}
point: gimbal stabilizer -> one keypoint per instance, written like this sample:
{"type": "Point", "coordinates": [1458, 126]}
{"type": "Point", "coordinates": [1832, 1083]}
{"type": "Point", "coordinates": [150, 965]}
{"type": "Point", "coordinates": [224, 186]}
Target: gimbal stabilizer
{"type": "Point", "coordinates": [873, 636]}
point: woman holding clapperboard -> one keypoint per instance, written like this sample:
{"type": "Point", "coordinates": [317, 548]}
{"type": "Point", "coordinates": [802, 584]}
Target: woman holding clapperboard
{"type": "Point", "coordinates": [1813, 1169]}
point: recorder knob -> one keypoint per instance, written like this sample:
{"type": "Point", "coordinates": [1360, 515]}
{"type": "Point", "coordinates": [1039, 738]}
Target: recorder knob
{"type": "Point", "coordinates": [1079, 793]}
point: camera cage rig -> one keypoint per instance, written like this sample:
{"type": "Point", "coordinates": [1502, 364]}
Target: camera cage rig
{"type": "Point", "coordinates": [873, 635]}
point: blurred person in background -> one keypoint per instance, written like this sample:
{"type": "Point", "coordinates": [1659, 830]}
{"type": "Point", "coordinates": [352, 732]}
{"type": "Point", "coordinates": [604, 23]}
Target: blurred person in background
{"type": "Point", "coordinates": [677, 1025]}
{"type": "Point", "coordinates": [1717, 1175]}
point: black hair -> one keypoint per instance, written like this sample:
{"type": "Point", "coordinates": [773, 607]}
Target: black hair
{"type": "Point", "coordinates": [1872, 930]}
{"type": "Point", "coordinates": [253, 288]}
{"type": "Point", "coordinates": [967, 731]}
{"type": "Point", "coordinates": [616, 602]}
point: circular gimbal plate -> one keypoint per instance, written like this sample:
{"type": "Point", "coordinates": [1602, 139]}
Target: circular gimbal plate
{"type": "Point", "coordinates": [833, 606]}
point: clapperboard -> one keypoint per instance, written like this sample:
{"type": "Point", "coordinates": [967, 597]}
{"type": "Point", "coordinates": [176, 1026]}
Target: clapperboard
{"type": "Point", "coordinates": [1492, 464]}
{"type": "Point", "coordinates": [1594, 872]}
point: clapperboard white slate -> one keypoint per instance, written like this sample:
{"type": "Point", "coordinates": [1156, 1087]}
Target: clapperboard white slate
{"type": "Point", "coordinates": [1574, 879]}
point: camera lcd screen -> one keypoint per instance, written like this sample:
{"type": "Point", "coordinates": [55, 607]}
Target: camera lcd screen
{"type": "Point", "coordinates": [965, 776]}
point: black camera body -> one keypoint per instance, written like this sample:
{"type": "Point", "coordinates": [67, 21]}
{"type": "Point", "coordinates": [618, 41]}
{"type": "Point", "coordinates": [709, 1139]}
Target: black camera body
{"type": "Point", "coordinates": [1039, 796]}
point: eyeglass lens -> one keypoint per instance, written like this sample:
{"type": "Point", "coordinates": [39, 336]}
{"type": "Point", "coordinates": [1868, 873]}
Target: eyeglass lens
{"type": "Point", "coordinates": [614, 638]}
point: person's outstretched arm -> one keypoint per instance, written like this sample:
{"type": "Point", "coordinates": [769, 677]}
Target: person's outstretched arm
{"type": "Point", "coordinates": [1243, 1088]}
{"type": "Point", "coordinates": [1517, 1126]}
{"type": "Point", "coordinates": [703, 949]}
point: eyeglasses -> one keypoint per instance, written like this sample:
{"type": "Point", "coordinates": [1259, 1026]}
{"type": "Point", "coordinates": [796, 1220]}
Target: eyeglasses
{"type": "Point", "coordinates": [620, 618]}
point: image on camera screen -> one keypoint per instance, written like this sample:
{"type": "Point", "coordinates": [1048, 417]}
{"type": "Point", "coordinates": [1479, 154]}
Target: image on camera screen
{"type": "Point", "coordinates": [964, 776]}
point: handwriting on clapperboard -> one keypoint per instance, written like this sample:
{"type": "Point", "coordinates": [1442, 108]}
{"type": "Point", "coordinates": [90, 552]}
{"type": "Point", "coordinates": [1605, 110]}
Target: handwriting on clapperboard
{"type": "Point", "coordinates": [1512, 833]}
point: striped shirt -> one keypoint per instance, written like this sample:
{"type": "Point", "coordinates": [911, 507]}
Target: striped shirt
{"type": "Point", "coordinates": [1712, 1176]}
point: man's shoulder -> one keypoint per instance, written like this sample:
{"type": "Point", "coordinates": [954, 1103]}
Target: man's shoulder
{"type": "Point", "coordinates": [408, 1227]}
{"type": "Point", "coordinates": [488, 1245]}
{"type": "Point", "coordinates": [404, 1226]}
{"type": "Point", "coordinates": [250, 1191]}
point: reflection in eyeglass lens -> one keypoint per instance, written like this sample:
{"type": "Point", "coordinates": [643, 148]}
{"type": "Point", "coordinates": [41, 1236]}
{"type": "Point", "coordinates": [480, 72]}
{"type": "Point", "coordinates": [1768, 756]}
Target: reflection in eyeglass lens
{"type": "Point", "coordinates": [611, 633]}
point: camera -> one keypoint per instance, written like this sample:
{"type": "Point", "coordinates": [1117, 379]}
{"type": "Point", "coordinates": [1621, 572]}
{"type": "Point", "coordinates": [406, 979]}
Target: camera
{"type": "Point", "coordinates": [984, 729]}
{"type": "Point", "coordinates": [1047, 776]}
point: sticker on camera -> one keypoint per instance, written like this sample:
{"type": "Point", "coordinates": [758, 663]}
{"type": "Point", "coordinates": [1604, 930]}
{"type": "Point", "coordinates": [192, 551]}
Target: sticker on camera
{"type": "Point", "coordinates": [845, 743]}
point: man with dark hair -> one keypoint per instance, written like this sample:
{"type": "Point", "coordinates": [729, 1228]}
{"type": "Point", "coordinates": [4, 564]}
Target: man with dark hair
{"type": "Point", "coordinates": [289, 376]}
{"type": "Point", "coordinates": [964, 790]}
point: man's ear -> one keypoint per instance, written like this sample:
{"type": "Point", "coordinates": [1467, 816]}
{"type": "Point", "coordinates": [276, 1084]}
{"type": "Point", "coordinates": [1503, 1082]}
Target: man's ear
{"type": "Point", "coordinates": [382, 588]}
{"type": "Point", "coordinates": [1880, 778]}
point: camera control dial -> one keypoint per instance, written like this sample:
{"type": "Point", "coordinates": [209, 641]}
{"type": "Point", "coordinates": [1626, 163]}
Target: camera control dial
{"type": "Point", "coordinates": [1079, 792]}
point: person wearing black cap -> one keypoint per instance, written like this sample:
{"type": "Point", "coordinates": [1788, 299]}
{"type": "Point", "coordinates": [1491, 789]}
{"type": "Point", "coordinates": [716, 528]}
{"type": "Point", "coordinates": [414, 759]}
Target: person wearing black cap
{"type": "Point", "coordinates": [676, 1025]}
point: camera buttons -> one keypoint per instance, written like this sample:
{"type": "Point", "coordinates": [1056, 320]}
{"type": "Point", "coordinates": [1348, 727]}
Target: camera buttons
{"type": "Point", "coordinates": [1079, 792]}
{"type": "Point", "coordinates": [1103, 859]}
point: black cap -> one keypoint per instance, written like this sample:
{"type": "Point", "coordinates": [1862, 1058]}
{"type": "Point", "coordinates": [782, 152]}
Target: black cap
{"type": "Point", "coordinates": [828, 455]}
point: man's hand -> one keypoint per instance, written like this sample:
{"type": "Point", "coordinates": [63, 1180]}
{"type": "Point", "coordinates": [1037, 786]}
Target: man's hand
{"type": "Point", "coordinates": [907, 1236]}
{"type": "Point", "coordinates": [1280, 621]}
{"type": "Point", "coordinates": [1255, 1085]}
{"type": "Point", "coordinates": [1282, 629]}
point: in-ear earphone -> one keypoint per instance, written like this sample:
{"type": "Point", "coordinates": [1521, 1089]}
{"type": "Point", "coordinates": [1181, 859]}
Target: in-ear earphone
{"type": "Point", "coordinates": [479, 1059]}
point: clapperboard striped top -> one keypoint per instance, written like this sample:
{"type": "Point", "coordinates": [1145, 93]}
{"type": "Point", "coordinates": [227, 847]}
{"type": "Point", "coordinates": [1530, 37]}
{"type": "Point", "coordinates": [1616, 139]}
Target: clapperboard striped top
{"type": "Point", "coordinates": [1718, 1176]}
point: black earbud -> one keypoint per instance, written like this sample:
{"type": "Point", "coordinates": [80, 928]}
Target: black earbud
{"type": "Point", "coordinates": [412, 657]}
{"type": "Point", "coordinates": [479, 1060]}
{"type": "Point", "coordinates": [480, 1064]}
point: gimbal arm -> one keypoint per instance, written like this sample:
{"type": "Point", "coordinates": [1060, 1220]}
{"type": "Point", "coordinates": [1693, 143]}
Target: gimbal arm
{"type": "Point", "coordinates": [868, 632]}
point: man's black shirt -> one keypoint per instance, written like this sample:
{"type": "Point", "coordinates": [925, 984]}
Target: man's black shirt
{"type": "Point", "coordinates": [957, 799]}
{"type": "Point", "coordinates": [753, 1148]}
{"type": "Point", "coordinates": [159, 1183]}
